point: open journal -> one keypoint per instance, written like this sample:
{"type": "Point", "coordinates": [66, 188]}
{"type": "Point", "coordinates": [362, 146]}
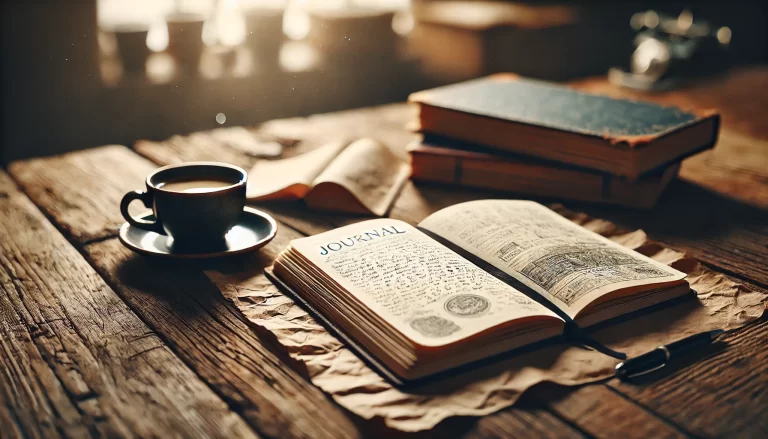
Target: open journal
{"type": "Point", "coordinates": [362, 176]}
{"type": "Point", "coordinates": [418, 307]}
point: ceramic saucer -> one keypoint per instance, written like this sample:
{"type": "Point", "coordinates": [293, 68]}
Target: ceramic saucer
{"type": "Point", "coordinates": [254, 231]}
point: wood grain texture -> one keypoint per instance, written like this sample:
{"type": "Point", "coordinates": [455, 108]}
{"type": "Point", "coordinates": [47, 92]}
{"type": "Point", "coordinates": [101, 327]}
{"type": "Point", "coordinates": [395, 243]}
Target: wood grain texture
{"type": "Point", "coordinates": [10, 425]}
{"type": "Point", "coordinates": [529, 420]}
{"type": "Point", "coordinates": [602, 413]}
{"type": "Point", "coordinates": [81, 191]}
{"type": "Point", "coordinates": [737, 167]}
{"type": "Point", "coordinates": [724, 394]}
{"type": "Point", "coordinates": [75, 361]}
{"type": "Point", "coordinates": [178, 301]}
{"type": "Point", "coordinates": [194, 147]}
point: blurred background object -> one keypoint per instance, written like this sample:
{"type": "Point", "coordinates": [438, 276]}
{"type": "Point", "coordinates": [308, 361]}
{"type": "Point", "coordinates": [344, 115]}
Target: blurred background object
{"type": "Point", "coordinates": [131, 41]}
{"type": "Point", "coordinates": [264, 32]}
{"type": "Point", "coordinates": [185, 39]}
{"type": "Point", "coordinates": [76, 75]}
{"type": "Point", "coordinates": [458, 40]}
{"type": "Point", "coordinates": [670, 50]}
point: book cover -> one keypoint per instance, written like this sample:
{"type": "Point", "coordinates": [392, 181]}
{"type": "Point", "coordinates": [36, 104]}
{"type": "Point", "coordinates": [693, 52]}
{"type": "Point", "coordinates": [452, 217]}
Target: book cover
{"type": "Point", "coordinates": [448, 162]}
{"type": "Point", "coordinates": [545, 120]}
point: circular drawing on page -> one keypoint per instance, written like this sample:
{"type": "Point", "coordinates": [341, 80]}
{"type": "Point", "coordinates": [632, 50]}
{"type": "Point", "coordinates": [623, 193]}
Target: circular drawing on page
{"type": "Point", "coordinates": [434, 326]}
{"type": "Point", "coordinates": [467, 305]}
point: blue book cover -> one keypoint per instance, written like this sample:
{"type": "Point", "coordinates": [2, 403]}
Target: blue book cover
{"type": "Point", "coordinates": [555, 122]}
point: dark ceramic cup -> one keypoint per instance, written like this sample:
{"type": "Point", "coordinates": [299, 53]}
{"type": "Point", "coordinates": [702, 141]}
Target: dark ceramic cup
{"type": "Point", "coordinates": [196, 219]}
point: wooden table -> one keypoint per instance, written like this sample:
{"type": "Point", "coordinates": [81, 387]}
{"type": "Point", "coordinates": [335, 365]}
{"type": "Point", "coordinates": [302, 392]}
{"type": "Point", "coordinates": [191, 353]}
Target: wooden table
{"type": "Point", "coordinates": [95, 341]}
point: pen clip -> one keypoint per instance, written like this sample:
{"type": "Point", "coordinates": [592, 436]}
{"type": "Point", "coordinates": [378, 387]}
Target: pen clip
{"type": "Point", "coordinates": [651, 370]}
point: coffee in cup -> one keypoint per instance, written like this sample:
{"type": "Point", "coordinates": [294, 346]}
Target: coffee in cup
{"type": "Point", "coordinates": [194, 186]}
{"type": "Point", "coordinates": [195, 203]}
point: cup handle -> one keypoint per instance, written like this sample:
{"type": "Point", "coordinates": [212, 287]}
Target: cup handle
{"type": "Point", "coordinates": [146, 198]}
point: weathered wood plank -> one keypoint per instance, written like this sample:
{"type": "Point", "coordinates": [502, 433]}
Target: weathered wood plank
{"type": "Point", "coordinates": [81, 191]}
{"type": "Point", "coordinates": [724, 394]}
{"type": "Point", "coordinates": [737, 168]}
{"type": "Point", "coordinates": [385, 123]}
{"type": "Point", "coordinates": [526, 421]}
{"type": "Point", "coordinates": [74, 359]}
{"type": "Point", "coordinates": [195, 147]}
{"type": "Point", "coordinates": [10, 426]}
{"type": "Point", "coordinates": [178, 301]}
{"type": "Point", "coordinates": [602, 413]}
{"type": "Point", "coordinates": [211, 336]}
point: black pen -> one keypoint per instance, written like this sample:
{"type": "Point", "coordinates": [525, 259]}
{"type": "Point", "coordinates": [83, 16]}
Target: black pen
{"type": "Point", "coordinates": [658, 358]}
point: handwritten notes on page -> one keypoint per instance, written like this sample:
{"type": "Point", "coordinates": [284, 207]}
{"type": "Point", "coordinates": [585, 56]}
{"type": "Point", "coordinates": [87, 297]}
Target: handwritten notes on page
{"type": "Point", "coordinates": [421, 288]}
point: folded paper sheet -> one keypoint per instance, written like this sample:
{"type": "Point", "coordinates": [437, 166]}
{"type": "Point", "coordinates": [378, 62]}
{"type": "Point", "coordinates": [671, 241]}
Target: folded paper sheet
{"type": "Point", "coordinates": [719, 303]}
{"type": "Point", "coordinates": [362, 177]}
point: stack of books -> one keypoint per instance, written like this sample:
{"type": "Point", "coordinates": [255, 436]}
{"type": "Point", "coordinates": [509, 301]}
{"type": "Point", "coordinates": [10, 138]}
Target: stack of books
{"type": "Point", "coordinates": [508, 133]}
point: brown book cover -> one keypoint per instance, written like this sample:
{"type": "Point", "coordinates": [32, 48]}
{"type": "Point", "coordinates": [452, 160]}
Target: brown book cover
{"type": "Point", "coordinates": [449, 162]}
{"type": "Point", "coordinates": [553, 122]}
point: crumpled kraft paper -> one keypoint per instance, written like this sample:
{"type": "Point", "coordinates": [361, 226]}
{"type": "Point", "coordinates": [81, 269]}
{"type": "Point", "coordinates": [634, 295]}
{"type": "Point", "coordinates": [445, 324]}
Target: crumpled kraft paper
{"type": "Point", "coordinates": [719, 303]}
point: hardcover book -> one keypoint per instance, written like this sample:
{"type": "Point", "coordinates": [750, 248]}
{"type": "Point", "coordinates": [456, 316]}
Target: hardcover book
{"type": "Point", "coordinates": [548, 121]}
{"type": "Point", "coordinates": [456, 164]}
{"type": "Point", "coordinates": [471, 281]}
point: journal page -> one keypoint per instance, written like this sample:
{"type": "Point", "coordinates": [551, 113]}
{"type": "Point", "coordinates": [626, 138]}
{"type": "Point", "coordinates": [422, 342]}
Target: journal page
{"type": "Point", "coordinates": [425, 291]}
{"type": "Point", "coordinates": [368, 170]}
{"type": "Point", "coordinates": [290, 178]}
{"type": "Point", "coordinates": [562, 261]}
